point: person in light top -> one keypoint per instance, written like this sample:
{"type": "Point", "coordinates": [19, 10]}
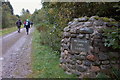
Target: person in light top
{"type": "Point", "coordinates": [27, 25]}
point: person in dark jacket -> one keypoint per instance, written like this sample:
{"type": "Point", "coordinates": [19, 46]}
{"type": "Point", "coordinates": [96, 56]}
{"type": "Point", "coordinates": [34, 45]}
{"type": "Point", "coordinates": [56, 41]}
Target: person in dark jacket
{"type": "Point", "coordinates": [31, 23]}
{"type": "Point", "coordinates": [18, 24]}
{"type": "Point", "coordinates": [27, 25]}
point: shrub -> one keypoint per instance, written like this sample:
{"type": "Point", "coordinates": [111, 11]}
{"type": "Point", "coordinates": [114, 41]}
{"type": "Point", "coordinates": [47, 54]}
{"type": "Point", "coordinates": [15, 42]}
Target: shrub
{"type": "Point", "coordinates": [40, 27]}
{"type": "Point", "coordinates": [52, 40]}
{"type": "Point", "coordinates": [49, 35]}
{"type": "Point", "coordinates": [102, 75]}
{"type": "Point", "coordinates": [112, 37]}
{"type": "Point", "coordinates": [112, 73]}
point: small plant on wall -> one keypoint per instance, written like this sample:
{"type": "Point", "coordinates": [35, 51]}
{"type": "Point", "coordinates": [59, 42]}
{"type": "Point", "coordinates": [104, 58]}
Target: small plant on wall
{"type": "Point", "coordinates": [112, 73]}
{"type": "Point", "coordinates": [112, 37]}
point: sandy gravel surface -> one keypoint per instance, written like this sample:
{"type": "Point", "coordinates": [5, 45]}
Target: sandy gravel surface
{"type": "Point", "coordinates": [16, 54]}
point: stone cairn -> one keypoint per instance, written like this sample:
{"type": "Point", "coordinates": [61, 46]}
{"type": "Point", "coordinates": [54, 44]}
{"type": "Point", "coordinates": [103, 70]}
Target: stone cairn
{"type": "Point", "coordinates": [82, 48]}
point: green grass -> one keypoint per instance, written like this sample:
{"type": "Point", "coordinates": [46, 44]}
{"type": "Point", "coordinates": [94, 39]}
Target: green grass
{"type": "Point", "coordinates": [45, 61]}
{"type": "Point", "coordinates": [8, 30]}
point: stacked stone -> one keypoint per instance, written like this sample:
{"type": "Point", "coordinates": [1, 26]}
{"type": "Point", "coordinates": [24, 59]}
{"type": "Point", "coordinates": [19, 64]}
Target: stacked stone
{"type": "Point", "coordinates": [96, 58]}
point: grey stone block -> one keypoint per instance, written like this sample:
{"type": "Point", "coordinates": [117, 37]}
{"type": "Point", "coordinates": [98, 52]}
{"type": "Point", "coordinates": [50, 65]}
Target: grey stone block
{"type": "Point", "coordinates": [96, 63]}
{"type": "Point", "coordinates": [73, 35]}
{"type": "Point", "coordinates": [105, 62]}
{"type": "Point", "coordinates": [98, 23]}
{"type": "Point", "coordinates": [82, 19]}
{"type": "Point", "coordinates": [66, 34]}
{"type": "Point", "coordinates": [98, 36]}
{"type": "Point", "coordinates": [63, 61]}
{"type": "Point", "coordinates": [87, 63]}
{"type": "Point", "coordinates": [81, 68]}
{"type": "Point", "coordinates": [81, 36]}
{"type": "Point", "coordinates": [79, 62]}
{"type": "Point", "coordinates": [87, 24]}
{"type": "Point", "coordinates": [103, 56]}
{"type": "Point", "coordinates": [79, 57]}
{"type": "Point", "coordinates": [77, 73]}
{"type": "Point", "coordinates": [93, 18]}
{"type": "Point", "coordinates": [86, 30]}
{"type": "Point", "coordinates": [104, 67]}
{"type": "Point", "coordinates": [73, 30]}
{"type": "Point", "coordinates": [66, 29]}
{"type": "Point", "coordinates": [113, 62]}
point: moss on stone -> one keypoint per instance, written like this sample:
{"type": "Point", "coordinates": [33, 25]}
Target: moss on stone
{"type": "Point", "coordinates": [106, 19]}
{"type": "Point", "coordinates": [97, 18]}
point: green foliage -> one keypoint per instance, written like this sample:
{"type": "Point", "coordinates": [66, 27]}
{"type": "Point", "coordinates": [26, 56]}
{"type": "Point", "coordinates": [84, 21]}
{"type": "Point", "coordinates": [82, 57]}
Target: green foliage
{"type": "Point", "coordinates": [0, 17]}
{"type": "Point", "coordinates": [51, 39]}
{"type": "Point", "coordinates": [9, 5]}
{"type": "Point", "coordinates": [112, 37]}
{"type": "Point", "coordinates": [0, 26]}
{"type": "Point", "coordinates": [102, 76]}
{"type": "Point", "coordinates": [113, 73]}
{"type": "Point", "coordinates": [49, 36]}
{"type": "Point", "coordinates": [106, 19]}
{"type": "Point", "coordinates": [7, 31]}
{"type": "Point", "coordinates": [54, 16]}
{"type": "Point", "coordinates": [25, 15]}
{"type": "Point", "coordinates": [116, 73]}
{"type": "Point", "coordinates": [45, 62]}
{"type": "Point", "coordinates": [117, 7]}
{"type": "Point", "coordinates": [8, 19]}
{"type": "Point", "coordinates": [39, 17]}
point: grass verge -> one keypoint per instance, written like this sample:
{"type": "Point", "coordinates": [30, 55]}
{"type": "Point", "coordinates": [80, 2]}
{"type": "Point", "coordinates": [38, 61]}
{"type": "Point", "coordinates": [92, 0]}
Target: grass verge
{"type": "Point", "coordinates": [45, 61]}
{"type": "Point", "coordinates": [8, 30]}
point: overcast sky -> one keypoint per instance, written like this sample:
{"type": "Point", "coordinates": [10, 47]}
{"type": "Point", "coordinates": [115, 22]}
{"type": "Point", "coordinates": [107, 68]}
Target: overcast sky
{"type": "Point", "coordinates": [31, 5]}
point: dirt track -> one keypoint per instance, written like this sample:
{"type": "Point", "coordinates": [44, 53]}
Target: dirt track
{"type": "Point", "coordinates": [16, 54]}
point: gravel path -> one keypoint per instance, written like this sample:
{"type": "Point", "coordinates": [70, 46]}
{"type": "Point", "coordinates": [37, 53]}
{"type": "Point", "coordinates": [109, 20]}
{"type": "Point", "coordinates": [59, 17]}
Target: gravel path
{"type": "Point", "coordinates": [16, 54]}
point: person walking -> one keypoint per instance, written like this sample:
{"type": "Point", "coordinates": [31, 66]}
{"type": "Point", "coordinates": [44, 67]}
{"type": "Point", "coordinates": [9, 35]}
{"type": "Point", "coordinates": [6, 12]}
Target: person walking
{"type": "Point", "coordinates": [18, 24]}
{"type": "Point", "coordinates": [31, 23]}
{"type": "Point", "coordinates": [27, 25]}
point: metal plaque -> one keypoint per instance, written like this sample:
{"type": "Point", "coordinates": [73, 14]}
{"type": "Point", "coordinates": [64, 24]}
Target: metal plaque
{"type": "Point", "coordinates": [79, 45]}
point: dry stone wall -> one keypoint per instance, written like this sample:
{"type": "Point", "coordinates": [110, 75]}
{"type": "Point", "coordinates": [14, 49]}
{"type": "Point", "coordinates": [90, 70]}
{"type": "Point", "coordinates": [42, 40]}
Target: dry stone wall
{"type": "Point", "coordinates": [82, 48]}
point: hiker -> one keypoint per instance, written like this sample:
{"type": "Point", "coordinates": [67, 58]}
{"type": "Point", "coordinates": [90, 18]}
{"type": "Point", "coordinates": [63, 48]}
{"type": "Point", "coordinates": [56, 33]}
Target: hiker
{"type": "Point", "coordinates": [31, 23]}
{"type": "Point", "coordinates": [18, 24]}
{"type": "Point", "coordinates": [27, 25]}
